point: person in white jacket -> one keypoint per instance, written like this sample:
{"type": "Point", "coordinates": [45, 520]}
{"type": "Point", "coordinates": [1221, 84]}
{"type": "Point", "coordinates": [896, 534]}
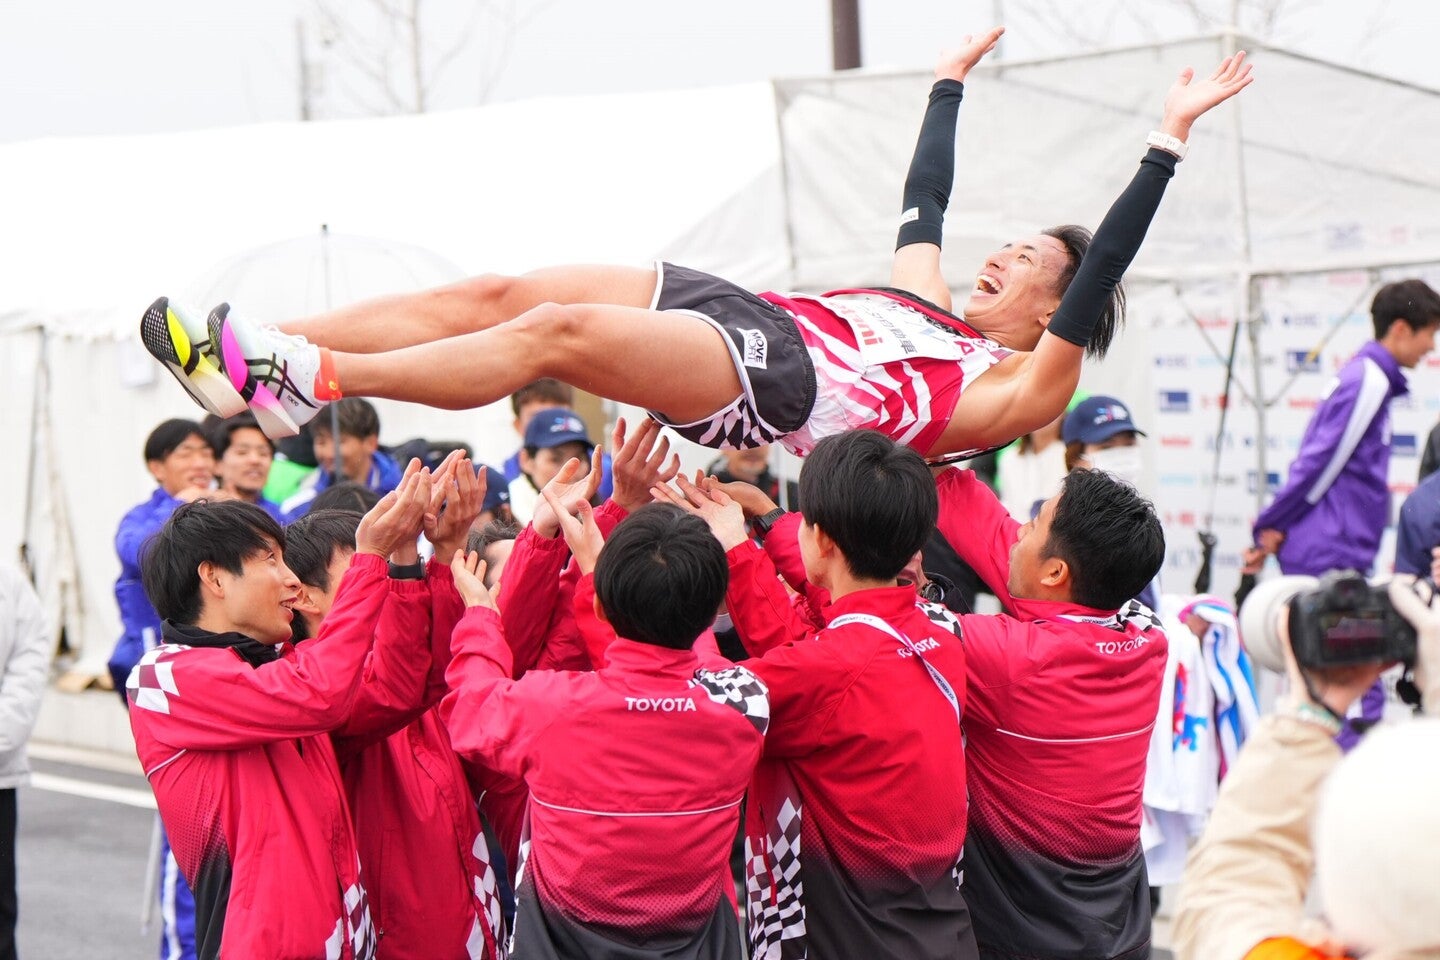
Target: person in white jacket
{"type": "Point", "coordinates": [24, 667]}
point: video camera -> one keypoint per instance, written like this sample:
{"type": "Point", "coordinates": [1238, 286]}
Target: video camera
{"type": "Point", "coordinates": [1336, 620]}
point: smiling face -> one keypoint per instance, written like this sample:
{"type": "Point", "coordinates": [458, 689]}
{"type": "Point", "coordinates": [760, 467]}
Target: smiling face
{"type": "Point", "coordinates": [191, 464]}
{"type": "Point", "coordinates": [1017, 290]}
{"type": "Point", "coordinates": [245, 466]}
{"type": "Point", "coordinates": [258, 602]}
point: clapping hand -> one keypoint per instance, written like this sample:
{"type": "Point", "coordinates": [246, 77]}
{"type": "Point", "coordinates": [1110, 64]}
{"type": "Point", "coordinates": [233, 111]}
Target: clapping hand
{"type": "Point", "coordinates": [582, 535]}
{"type": "Point", "coordinates": [399, 515]}
{"type": "Point", "coordinates": [639, 463]}
{"type": "Point", "coordinates": [454, 504]}
{"type": "Point", "coordinates": [469, 573]}
{"type": "Point", "coordinates": [568, 491]}
{"type": "Point", "coordinates": [722, 514]}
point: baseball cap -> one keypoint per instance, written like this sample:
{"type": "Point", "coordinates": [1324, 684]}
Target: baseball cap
{"type": "Point", "coordinates": [556, 425]}
{"type": "Point", "coordinates": [1097, 419]}
{"type": "Point", "coordinates": [497, 489]}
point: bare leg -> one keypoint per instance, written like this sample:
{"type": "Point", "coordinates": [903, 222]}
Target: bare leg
{"type": "Point", "coordinates": [478, 303]}
{"type": "Point", "coordinates": [668, 362]}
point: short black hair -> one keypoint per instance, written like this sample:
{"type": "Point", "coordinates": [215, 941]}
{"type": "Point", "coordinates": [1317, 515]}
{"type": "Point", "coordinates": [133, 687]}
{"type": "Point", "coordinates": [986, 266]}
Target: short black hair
{"type": "Point", "coordinates": [357, 418]}
{"type": "Point", "coordinates": [493, 532]}
{"type": "Point", "coordinates": [222, 532]}
{"type": "Point", "coordinates": [346, 495]}
{"type": "Point", "coordinates": [555, 393]}
{"type": "Point", "coordinates": [1109, 536]}
{"type": "Point", "coordinates": [222, 431]}
{"type": "Point", "coordinates": [311, 542]}
{"type": "Point", "coordinates": [1076, 240]}
{"type": "Point", "coordinates": [168, 436]}
{"type": "Point", "coordinates": [661, 576]}
{"type": "Point", "coordinates": [1411, 302]}
{"type": "Point", "coordinates": [874, 497]}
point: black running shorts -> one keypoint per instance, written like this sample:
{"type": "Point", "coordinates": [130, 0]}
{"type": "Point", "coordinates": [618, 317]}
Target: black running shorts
{"type": "Point", "coordinates": [776, 375]}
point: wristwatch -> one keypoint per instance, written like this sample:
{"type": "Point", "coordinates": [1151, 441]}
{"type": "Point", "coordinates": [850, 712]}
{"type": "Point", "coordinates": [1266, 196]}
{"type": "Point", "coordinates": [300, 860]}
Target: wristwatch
{"type": "Point", "coordinates": [1171, 145]}
{"type": "Point", "coordinates": [407, 571]}
{"type": "Point", "coordinates": [761, 525]}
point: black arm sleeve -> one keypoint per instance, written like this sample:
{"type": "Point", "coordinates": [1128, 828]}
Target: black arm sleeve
{"type": "Point", "coordinates": [932, 169]}
{"type": "Point", "coordinates": [1115, 245]}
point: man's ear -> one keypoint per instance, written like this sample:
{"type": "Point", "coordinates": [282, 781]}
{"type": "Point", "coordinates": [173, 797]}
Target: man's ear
{"type": "Point", "coordinates": [1054, 572]}
{"type": "Point", "coordinates": [211, 583]}
{"type": "Point", "coordinates": [305, 603]}
{"type": "Point", "coordinates": [824, 543]}
{"type": "Point", "coordinates": [371, 443]}
{"type": "Point", "coordinates": [599, 611]}
{"type": "Point", "coordinates": [527, 461]}
{"type": "Point", "coordinates": [154, 466]}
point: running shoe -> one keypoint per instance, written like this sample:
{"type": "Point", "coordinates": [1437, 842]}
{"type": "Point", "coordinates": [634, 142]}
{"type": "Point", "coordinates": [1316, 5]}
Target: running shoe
{"type": "Point", "coordinates": [274, 372]}
{"type": "Point", "coordinates": [182, 344]}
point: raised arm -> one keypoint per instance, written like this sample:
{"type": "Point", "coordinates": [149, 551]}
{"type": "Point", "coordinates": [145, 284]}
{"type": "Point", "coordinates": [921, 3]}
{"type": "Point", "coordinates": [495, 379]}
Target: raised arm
{"type": "Point", "coordinates": [1045, 380]}
{"type": "Point", "coordinates": [932, 173]}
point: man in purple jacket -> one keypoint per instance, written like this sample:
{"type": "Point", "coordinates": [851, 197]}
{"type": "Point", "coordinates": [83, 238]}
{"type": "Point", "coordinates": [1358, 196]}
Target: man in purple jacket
{"type": "Point", "coordinates": [1336, 501]}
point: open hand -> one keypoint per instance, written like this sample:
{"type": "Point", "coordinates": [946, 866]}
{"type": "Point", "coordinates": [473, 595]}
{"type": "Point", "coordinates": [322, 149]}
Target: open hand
{"type": "Point", "coordinates": [956, 64]}
{"type": "Point", "coordinates": [721, 514]}
{"type": "Point", "coordinates": [568, 491]}
{"type": "Point", "coordinates": [399, 515]}
{"type": "Point", "coordinates": [582, 535]}
{"type": "Point", "coordinates": [455, 502]}
{"type": "Point", "coordinates": [469, 573]}
{"type": "Point", "coordinates": [1188, 98]}
{"type": "Point", "coordinates": [639, 463]}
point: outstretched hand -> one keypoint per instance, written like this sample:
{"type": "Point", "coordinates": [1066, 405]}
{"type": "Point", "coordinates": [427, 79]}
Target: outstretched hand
{"type": "Point", "coordinates": [568, 491]}
{"type": "Point", "coordinates": [396, 520]}
{"type": "Point", "coordinates": [723, 515]}
{"type": "Point", "coordinates": [455, 502]}
{"type": "Point", "coordinates": [1188, 98]}
{"type": "Point", "coordinates": [582, 535]}
{"type": "Point", "coordinates": [469, 573]}
{"type": "Point", "coordinates": [639, 463]}
{"type": "Point", "coordinates": [956, 64]}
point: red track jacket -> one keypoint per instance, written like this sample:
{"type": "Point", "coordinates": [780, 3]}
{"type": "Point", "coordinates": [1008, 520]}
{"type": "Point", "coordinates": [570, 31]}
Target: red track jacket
{"type": "Point", "coordinates": [244, 773]}
{"type": "Point", "coordinates": [856, 820]}
{"type": "Point", "coordinates": [635, 772]}
{"type": "Point", "coordinates": [427, 867]}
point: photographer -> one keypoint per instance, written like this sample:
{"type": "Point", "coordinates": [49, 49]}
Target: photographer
{"type": "Point", "coordinates": [1375, 817]}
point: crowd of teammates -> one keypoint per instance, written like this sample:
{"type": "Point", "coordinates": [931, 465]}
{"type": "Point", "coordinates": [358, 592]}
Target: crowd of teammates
{"type": "Point", "coordinates": [416, 707]}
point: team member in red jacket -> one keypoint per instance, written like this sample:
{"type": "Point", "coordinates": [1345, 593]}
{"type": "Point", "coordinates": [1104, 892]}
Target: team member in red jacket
{"type": "Point", "coordinates": [432, 891]}
{"type": "Point", "coordinates": [232, 730]}
{"type": "Point", "coordinates": [1061, 701]}
{"type": "Point", "coordinates": [1060, 698]}
{"type": "Point", "coordinates": [636, 771]}
{"type": "Point", "coordinates": [856, 820]}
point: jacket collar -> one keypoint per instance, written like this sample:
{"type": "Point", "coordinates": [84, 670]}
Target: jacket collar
{"type": "Point", "coordinates": [632, 656]}
{"type": "Point", "coordinates": [250, 650]}
{"type": "Point", "coordinates": [884, 602]}
{"type": "Point", "coordinates": [1385, 360]}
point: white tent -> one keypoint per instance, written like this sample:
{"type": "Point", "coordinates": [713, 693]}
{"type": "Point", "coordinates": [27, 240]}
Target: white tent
{"type": "Point", "coordinates": [1294, 201]}
{"type": "Point", "coordinates": [96, 228]}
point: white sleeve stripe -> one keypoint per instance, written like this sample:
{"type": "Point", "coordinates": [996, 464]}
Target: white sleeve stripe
{"type": "Point", "coordinates": [1374, 388]}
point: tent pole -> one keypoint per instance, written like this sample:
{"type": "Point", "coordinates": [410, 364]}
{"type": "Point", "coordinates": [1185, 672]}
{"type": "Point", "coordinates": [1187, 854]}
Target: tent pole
{"type": "Point", "coordinates": [1249, 312]}
{"type": "Point", "coordinates": [334, 410]}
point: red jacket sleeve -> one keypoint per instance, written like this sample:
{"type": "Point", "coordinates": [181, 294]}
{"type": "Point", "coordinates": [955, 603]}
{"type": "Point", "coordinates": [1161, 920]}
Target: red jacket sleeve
{"type": "Point", "coordinates": [978, 528]}
{"type": "Point", "coordinates": [764, 615]}
{"type": "Point", "coordinates": [528, 594]}
{"type": "Point", "coordinates": [492, 719]}
{"type": "Point", "coordinates": [204, 699]}
{"type": "Point", "coordinates": [392, 686]}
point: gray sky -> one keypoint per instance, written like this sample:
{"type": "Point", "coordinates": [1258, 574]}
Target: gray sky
{"type": "Point", "coordinates": [79, 67]}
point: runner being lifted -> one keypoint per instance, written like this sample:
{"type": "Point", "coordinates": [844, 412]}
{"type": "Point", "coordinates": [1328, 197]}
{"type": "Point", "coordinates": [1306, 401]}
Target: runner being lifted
{"type": "Point", "coordinates": [723, 366]}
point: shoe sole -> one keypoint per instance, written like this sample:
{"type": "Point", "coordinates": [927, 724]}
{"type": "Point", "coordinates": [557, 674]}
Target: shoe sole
{"type": "Point", "coordinates": [275, 421]}
{"type": "Point", "coordinates": [165, 339]}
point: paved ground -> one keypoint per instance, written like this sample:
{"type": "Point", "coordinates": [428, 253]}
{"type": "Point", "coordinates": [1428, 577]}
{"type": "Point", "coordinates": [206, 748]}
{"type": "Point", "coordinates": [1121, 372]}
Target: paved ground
{"type": "Point", "coordinates": [81, 865]}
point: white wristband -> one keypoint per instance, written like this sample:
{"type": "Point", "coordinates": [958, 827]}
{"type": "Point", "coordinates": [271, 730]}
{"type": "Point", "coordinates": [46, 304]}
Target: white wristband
{"type": "Point", "coordinates": [1171, 145]}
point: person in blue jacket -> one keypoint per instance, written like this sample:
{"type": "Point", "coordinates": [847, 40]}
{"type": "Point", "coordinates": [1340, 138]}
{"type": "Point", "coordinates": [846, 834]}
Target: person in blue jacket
{"type": "Point", "coordinates": [1335, 503]}
{"type": "Point", "coordinates": [180, 458]}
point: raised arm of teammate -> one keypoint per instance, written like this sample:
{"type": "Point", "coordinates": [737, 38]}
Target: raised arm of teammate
{"type": "Point", "coordinates": [932, 173]}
